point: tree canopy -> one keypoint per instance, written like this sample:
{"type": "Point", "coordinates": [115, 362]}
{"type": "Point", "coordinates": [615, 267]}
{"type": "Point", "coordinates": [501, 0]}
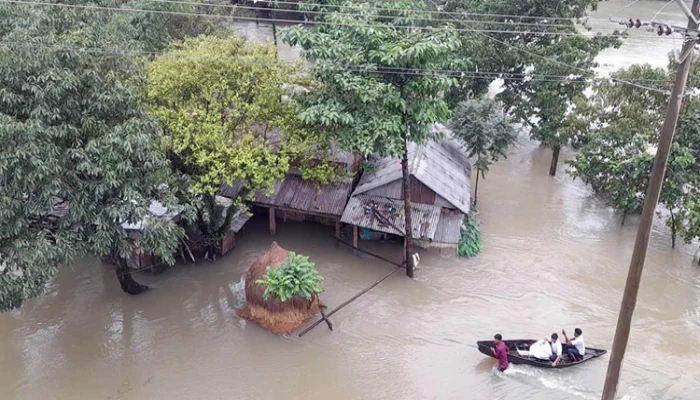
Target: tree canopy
{"type": "Point", "coordinates": [77, 156]}
{"type": "Point", "coordinates": [379, 86]}
{"type": "Point", "coordinates": [486, 132]}
{"type": "Point", "coordinates": [624, 123]}
{"type": "Point", "coordinates": [224, 105]}
{"type": "Point", "coordinates": [545, 63]}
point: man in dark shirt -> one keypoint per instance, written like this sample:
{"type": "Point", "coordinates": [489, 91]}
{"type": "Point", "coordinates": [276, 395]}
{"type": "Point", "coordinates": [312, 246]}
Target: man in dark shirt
{"type": "Point", "coordinates": [500, 352]}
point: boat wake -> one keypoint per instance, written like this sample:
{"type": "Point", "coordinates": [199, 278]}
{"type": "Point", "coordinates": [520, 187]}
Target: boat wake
{"type": "Point", "coordinates": [554, 380]}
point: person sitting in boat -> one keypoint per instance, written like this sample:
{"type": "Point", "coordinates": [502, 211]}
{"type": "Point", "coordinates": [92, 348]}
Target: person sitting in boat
{"type": "Point", "coordinates": [576, 346]}
{"type": "Point", "coordinates": [541, 350]}
{"type": "Point", "coordinates": [556, 349]}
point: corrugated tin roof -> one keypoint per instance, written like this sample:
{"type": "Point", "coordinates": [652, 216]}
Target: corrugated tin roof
{"type": "Point", "coordinates": [390, 218]}
{"type": "Point", "coordinates": [239, 219]}
{"type": "Point", "coordinates": [155, 209]}
{"type": "Point", "coordinates": [297, 194]}
{"type": "Point", "coordinates": [449, 228]}
{"type": "Point", "coordinates": [443, 167]}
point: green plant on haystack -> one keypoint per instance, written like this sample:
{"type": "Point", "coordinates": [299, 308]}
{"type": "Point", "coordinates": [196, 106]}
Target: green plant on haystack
{"type": "Point", "coordinates": [297, 276]}
{"type": "Point", "coordinates": [470, 244]}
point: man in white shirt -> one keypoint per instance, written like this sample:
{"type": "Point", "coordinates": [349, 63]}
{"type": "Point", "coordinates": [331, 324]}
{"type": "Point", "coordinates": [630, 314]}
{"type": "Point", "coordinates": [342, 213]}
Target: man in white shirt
{"type": "Point", "coordinates": [556, 349]}
{"type": "Point", "coordinates": [575, 347]}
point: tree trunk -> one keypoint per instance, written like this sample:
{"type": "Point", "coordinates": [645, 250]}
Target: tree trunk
{"type": "Point", "coordinates": [624, 217]}
{"type": "Point", "coordinates": [129, 285]}
{"type": "Point", "coordinates": [274, 37]}
{"type": "Point", "coordinates": [555, 161]}
{"type": "Point", "coordinates": [476, 187]}
{"type": "Point", "coordinates": [407, 206]}
{"type": "Point", "coordinates": [673, 231]}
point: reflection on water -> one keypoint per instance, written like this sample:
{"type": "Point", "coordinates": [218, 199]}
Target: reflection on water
{"type": "Point", "coordinates": [553, 257]}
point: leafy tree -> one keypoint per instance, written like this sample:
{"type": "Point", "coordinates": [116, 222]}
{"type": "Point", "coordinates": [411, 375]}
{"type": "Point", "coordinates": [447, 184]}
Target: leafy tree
{"type": "Point", "coordinates": [154, 32]}
{"type": "Point", "coordinates": [77, 157]}
{"type": "Point", "coordinates": [374, 96]}
{"type": "Point", "coordinates": [297, 276]}
{"type": "Point", "coordinates": [620, 123]}
{"type": "Point", "coordinates": [530, 54]}
{"type": "Point", "coordinates": [220, 101]}
{"type": "Point", "coordinates": [223, 104]}
{"type": "Point", "coordinates": [486, 132]}
{"type": "Point", "coordinates": [618, 158]}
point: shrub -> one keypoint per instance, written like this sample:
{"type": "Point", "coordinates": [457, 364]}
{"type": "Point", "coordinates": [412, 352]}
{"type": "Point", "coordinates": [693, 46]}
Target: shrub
{"type": "Point", "coordinates": [470, 244]}
{"type": "Point", "coordinates": [297, 276]}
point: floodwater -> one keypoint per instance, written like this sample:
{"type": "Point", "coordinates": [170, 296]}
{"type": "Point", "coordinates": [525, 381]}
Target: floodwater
{"type": "Point", "coordinates": [553, 257]}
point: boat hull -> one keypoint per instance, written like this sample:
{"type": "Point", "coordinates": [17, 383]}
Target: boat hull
{"type": "Point", "coordinates": [515, 358]}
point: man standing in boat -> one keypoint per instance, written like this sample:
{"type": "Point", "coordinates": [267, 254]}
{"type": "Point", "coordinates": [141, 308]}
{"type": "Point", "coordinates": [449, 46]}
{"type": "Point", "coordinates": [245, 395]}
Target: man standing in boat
{"type": "Point", "coordinates": [576, 346]}
{"type": "Point", "coordinates": [500, 352]}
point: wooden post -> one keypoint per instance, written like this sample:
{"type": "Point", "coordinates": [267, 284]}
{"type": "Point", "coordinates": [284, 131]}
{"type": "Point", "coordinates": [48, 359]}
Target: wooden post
{"type": "Point", "coordinates": [273, 222]}
{"type": "Point", "coordinates": [355, 238]}
{"type": "Point", "coordinates": [337, 232]}
{"type": "Point", "coordinates": [408, 237]}
{"type": "Point", "coordinates": [641, 243]}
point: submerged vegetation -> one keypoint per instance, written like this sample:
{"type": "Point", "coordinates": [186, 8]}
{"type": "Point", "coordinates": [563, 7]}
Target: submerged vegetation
{"type": "Point", "coordinates": [470, 243]}
{"type": "Point", "coordinates": [621, 124]}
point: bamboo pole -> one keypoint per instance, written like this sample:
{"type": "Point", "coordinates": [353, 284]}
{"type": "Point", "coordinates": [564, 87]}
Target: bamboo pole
{"type": "Point", "coordinates": [346, 302]}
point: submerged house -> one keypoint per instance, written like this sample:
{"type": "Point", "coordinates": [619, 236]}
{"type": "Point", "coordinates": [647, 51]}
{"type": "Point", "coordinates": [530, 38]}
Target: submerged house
{"type": "Point", "coordinates": [238, 220]}
{"type": "Point", "coordinates": [440, 196]}
{"type": "Point", "coordinates": [296, 199]}
{"type": "Point", "coordinates": [138, 259]}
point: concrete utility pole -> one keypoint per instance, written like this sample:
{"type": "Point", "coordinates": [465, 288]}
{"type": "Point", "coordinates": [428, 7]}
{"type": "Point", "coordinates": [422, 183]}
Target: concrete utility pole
{"type": "Point", "coordinates": [634, 276]}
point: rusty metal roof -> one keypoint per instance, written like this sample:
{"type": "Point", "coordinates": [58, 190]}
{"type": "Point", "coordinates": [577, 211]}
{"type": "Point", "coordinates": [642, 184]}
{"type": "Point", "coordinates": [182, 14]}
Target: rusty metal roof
{"type": "Point", "coordinates": [295, 193]}
{"type": "Point", "coordinates": [390, 216]}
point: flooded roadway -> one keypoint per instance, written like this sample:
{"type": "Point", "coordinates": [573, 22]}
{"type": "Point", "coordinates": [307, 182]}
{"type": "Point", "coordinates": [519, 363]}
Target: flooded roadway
{"type": "Point", "coordinates": [553, 257]}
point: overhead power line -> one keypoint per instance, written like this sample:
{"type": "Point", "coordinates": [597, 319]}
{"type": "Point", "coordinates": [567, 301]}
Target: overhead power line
{"type": "Point", "coordinates": [550, 59]}
{"type": "Point", "coordinates": [477, 31]}
{"type": "Point", "coordinates": [361, 8]}
{"type": "Point", "coordinates": [353, 68]}
{"type": "Point", "coordinates": [284, 21]}
{"type": "Point", "coordinates": [439, 11]}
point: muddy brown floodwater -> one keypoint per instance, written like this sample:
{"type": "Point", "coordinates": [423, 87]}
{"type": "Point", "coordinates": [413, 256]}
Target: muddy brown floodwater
{"type": "Point", "coordinates": [553, 257]}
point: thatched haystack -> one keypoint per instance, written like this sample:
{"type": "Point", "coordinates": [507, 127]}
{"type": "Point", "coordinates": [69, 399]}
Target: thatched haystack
{"type": "Point", "coordinates": [273, 314]}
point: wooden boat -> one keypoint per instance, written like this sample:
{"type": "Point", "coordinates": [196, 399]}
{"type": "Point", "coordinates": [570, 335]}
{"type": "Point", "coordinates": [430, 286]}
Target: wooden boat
{"type": "Point", "coordinates": [517, 354]}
